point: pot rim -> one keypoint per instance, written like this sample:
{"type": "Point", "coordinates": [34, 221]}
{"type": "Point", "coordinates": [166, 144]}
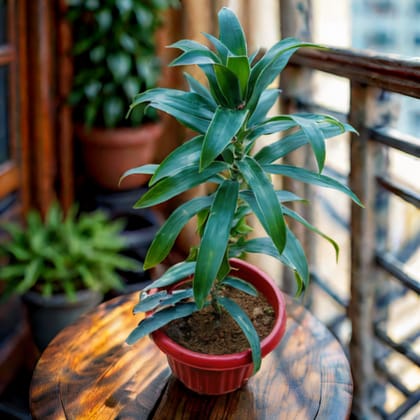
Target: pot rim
{"type": "Point", "coordinates": [233, 360]}
{"type": "Point", "coordinates": [61, 300]}
{"type": "Point", "coordinates": [120, 137]}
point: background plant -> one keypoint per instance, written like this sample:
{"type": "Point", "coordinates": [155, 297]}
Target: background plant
{"type": "Point", "coordinates": [229, 116]}
{"type": "Point", "coordinates": [114, 57]}
{"type": "Point", "coordinates": [63, 254]}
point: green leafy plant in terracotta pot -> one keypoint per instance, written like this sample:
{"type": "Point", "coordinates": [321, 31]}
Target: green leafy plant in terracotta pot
{"type": "Point", "coordinates": [115, 57]}
{"type": "Point", "coordinates": [229, 115]}
{"type": "Point", "coordinates": [61, 266]}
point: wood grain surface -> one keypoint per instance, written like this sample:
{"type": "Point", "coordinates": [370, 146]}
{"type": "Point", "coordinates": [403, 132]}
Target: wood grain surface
{"type": "Point", "coordinates": [88, 372]}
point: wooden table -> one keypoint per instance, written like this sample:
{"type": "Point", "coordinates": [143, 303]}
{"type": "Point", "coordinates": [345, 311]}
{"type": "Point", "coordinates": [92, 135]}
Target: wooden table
{"type": "Point", "coordinates": [88, 372]}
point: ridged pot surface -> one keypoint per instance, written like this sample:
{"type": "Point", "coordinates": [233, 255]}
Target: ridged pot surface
{"type": "Point", "coordinates": [211, 374]}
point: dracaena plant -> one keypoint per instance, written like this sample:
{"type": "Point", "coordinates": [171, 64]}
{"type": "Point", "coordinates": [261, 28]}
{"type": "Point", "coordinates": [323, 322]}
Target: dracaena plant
{"type": "Point", "coordinates": [229, 115]}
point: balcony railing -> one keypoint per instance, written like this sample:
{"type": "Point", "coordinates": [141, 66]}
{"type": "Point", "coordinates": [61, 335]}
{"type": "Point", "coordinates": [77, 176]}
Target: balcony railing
{"type": "Point", "coordinates": [381, 356]}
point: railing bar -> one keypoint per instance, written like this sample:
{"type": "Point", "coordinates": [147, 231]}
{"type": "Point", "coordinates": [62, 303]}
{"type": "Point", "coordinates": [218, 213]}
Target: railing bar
{"type": "Point", "coordinates": [386, 351]}
{"type": "Point", "coordinates": [314, 107]}
{"type": "Point", "coordinates": [339, 319]}
{"type": "Point", "coordinates": [410, 402]}
{"type": "Point", "coordinates": [328, 290]}
{"type": "Point", "coordinates": [400, 190]}
{"type": "Point", "coordinates": [401, 348]}
{"type": "Point", "coordinates": [397, 140]}
{"type": "Point", "coordinates": [382, 413]}
{"type": "Point", "coordinates": [392, 378]}
{"type": "Point", "coordinates": [394, 75]}
{"type": "Point", "coordinates": [392, 266]}
{"type": "Point", "coordinates": [391, 296]}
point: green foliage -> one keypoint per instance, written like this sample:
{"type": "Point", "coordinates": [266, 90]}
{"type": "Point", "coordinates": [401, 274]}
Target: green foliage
{"type": "Point", "coordinates": [63, 253]}
{"type": "Point", "coordinates": [229, 116]}
{"type": "Point", "coordinates": [114, 57]}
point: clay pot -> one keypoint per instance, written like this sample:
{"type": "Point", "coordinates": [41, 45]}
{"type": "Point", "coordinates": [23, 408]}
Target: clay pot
{"type": "Point", "coordinates": [108, 153]}
{"type": "Point", "coordinates": [220, 374]}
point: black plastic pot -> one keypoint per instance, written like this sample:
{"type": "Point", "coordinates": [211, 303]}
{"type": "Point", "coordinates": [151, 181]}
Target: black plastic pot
{"type": "Point", "coordinates": [48, 316]}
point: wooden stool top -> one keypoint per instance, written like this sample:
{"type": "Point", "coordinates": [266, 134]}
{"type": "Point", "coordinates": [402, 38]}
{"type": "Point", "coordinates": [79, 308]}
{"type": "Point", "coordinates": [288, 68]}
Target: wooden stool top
{"type": "Point", "coordinates": [89, 372]}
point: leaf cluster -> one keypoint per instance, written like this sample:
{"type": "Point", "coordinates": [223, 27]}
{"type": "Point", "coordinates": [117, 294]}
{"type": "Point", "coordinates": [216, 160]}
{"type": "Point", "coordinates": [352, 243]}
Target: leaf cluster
{"type": "Point", "coordinates": [63, 253]}
{"type": "Point", "coordinates": [114, 57]}
{"type": "Point", "coordinates": [229, 115]}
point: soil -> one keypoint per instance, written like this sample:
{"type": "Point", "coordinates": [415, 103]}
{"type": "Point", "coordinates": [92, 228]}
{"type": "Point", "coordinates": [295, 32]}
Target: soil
{"type": "Point", "coordinates": [207, 332]}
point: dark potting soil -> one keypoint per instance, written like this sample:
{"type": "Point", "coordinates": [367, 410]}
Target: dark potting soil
{"type": "Point", "coordinates": [207, 332]}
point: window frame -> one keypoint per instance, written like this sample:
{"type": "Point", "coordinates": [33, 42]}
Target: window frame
{"type": "Point", "coordinates": [13, 173]}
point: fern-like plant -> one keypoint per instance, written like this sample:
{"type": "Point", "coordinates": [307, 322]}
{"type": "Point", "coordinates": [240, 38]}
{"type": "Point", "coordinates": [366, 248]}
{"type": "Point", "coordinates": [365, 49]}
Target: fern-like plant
{"type": "Point", "coordinates": [63, 254]}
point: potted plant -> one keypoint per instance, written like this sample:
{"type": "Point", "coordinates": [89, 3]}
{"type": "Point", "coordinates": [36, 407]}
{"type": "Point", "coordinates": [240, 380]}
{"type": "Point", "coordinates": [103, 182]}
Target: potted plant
{"type": "Point", "coordinates": [115, 57]}
{"type": "Point", "coordinates": [61, 266]}
{"type": "Point", "coordinates": [229, 116]}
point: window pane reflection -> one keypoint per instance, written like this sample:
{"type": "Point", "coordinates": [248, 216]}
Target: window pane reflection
{"type": "Point", "coordinates": [3, 28]}
{"type": "Point", "coordinates": [4, 117]}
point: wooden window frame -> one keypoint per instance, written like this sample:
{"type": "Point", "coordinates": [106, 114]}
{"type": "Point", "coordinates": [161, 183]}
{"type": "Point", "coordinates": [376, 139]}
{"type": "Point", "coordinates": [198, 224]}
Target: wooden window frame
{"type": "Point", "coordinates": [13, 172]}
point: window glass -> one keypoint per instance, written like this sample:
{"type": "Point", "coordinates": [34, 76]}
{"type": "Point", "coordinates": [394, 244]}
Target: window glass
{"type": "Point", "coordinates": [3, 21]}
{"type": "Point", "coordinates": [4, 117]}
{"type": "Point", "coordinates": [382, 26]}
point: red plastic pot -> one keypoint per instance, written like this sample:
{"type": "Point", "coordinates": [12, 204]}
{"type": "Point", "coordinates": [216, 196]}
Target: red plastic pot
{"type": "Point", "coordinates": [220, 374]}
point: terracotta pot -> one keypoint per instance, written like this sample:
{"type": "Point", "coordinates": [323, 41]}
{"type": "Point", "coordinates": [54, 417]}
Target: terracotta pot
{"type": "Point", "coordinates": [108, 153]}
{"type": "Point", "coordinates": [220, 374]}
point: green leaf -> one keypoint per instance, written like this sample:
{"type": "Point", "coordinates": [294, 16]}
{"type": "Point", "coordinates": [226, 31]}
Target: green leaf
{"type": "Point", "coordinates": [169, 187]}
{"type": "Point", "coordinates": [309, 177]}
{"type": "Point", "coordinates": [266, 205]}
{"type": "Point", "coordinates": [120, 65]}
{"type": "Point", "coordinates": [309, 226]}
{"type": "Point", "coordinates": [221, 48]}
{"type": "Point", "coordinates": [270, 66]}
{"type": "Point", "coordinates": [167, 234]}
{"type": "Point", "coordinates": [224, 126]}
{"type": "Point", "coordinates": [159, 320]}
{"type": "Point", "coordinates": [188, 154]}
{"type": "Point", "coordinates": [173, 275]}
{"type": "Point", "coordinates": [292, 255]}
{"type": "Point", "coordinates": [213, 85]}
{"type": "Point", "coordinates": [32, 274]}
{"type": "Point", "coordinates": [239, 66]}
{"type": "Point", "coordinates": [177, 296]}
{"type": "Point", "coordinates": [215, 239]}
{"type": "Point", "coordinates": [272, 125]}
{"type": "Point", "coordinates": [113, 111]}
{"type": "Point", "coordinates": [148, 169]}
{"type": "Point", "coordinates": [195, 57]}
{"type": "Point", "coordinates": [315, 137]}
{"type": "Point", "coordinates": [228, 84]}
{"type": "Point", "coordinates": [293, 141]}
{"type": "Point", "coordinates": [231, 32]}
{"type": "Point", "coordinates": [282, 196]}
{"type": "Point", "coordinates": [149, 302]}
{"type": "Point", "coordinates": [285, 196]}
{"type": "Point", "coordinates": [242, 285]}
{"type": "Point", "coordinates": [265, 103]}
{"type": "Point", "coordinates": [188, 45]}
{"type": "Point", "coordinates": [187, 107]}
{"type": "Point", "coordinates": [296, 255]}
{"type": "Point", "coordinates": [241, 318]}
{"type": "Point", "coordinates": [161, 299]}
{"type": "Point", "coordinates": [12, 272]}
{"type": "Point", "coordinates": [197, 87]}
